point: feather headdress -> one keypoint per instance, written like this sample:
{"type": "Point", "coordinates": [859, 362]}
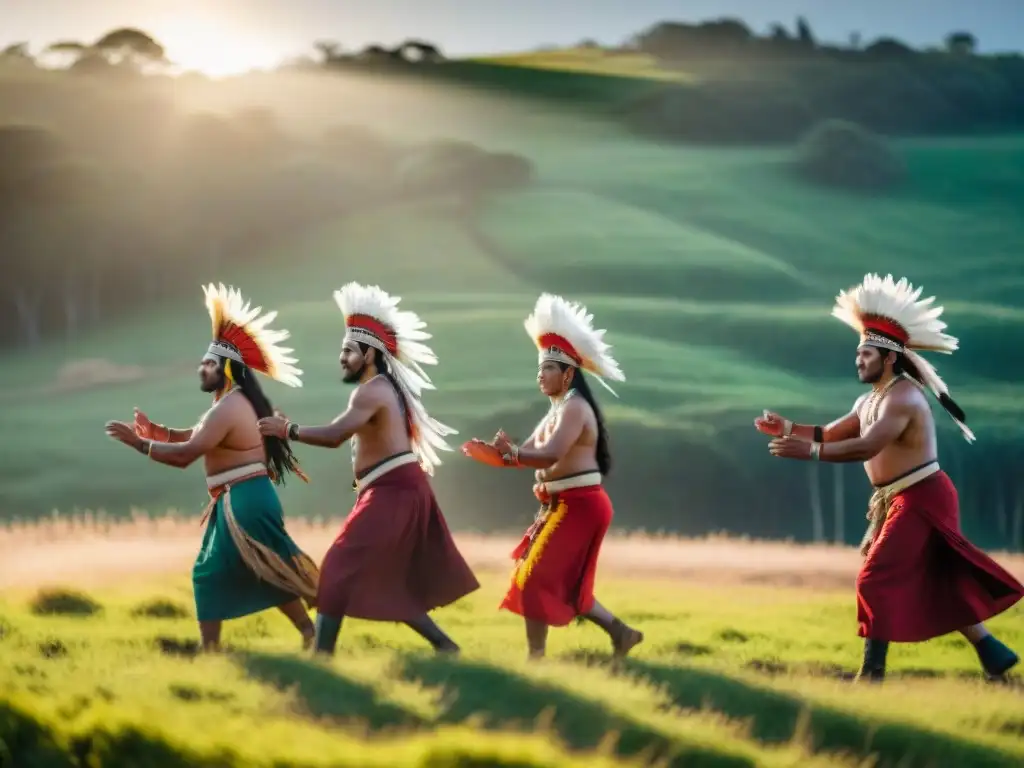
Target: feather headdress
{"type": "Point", "coordinates": [373, 317]}
{"type": "Point", "coordinates": [891, 315]}
{"type": "Point", "coordinates": [564, 332]}
{"type": "Point", "coordinates": [241, 334]}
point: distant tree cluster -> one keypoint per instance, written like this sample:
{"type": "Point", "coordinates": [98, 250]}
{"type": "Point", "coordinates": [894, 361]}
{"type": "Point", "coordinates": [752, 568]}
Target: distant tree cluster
{"type": "Point", "coordinates": [112, 197]}
{"type": "Point", "coordinates": [777, 86]}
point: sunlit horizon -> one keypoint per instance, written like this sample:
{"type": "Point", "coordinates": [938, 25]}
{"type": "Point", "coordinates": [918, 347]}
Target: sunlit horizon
{"type": "Point", "coordinates": [213, 48]}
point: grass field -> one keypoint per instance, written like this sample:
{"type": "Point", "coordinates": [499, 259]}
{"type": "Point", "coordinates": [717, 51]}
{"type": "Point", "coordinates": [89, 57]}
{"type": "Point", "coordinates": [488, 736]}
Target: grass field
{"type": "Point", "coordinates": [737, 669]}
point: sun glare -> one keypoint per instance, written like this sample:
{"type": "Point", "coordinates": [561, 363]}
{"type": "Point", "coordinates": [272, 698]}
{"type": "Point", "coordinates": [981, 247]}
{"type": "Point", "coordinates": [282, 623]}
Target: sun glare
{"type": "Point", "coordinates": [212, 49]}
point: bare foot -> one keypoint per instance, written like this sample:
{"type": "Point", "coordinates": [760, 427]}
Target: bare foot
{"type": "Point", "coordinates": [307, 639]}
{"type": "Point", "coordinates": [629, 639]}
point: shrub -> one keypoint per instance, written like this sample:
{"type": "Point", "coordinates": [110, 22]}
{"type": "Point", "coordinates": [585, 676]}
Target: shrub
{"type": "Point", "coordinates": [843, 154]}
{"type": "Point", "coordinates": [160, 609]}
{"type": "Point", "coordinates": [460, 167]}
{"type": "Point", "coordinates": [63, 602]}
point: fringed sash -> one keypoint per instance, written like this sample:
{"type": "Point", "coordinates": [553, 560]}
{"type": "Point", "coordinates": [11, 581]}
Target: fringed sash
{"type": "Point", "coordinates": [301, 576]}
{"type": "Point", "coordinates": [881, 500]}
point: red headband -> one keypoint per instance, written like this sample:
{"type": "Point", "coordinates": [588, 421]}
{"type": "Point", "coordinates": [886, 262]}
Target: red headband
{"type": "Point", "coordinates": [376, 328]}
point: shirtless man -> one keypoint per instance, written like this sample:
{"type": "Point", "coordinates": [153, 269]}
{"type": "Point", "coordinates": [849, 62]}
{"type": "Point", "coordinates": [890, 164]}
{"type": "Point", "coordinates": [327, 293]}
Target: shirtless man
{"type": "Point", "coordinates": [920, 578]}
{"type": "Point", "coordinates": [556, 561]}
{"type": "Point", "coordinates": [394, 558]}
{"type": "Point", "coordinates": [247, 562]}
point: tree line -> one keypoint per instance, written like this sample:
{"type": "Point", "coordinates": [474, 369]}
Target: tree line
{"type": "Point", "coordinates": [114, 198]}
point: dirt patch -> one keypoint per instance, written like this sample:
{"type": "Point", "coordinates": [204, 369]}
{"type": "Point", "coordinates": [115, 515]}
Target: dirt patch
{"type": "Point", "coordinates": [57, 553]}
{"type": "Point", "coordinates": [95, 372]}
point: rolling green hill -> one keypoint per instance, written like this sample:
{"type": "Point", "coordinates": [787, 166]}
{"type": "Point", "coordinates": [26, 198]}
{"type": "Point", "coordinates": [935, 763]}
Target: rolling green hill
{"type": "Point", "coordinates": [714, 271]}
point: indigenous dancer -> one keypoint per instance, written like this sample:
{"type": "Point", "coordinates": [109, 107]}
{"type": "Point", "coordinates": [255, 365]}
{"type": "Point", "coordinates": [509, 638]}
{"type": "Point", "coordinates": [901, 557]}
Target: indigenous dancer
{"type": "Point", "coordinates": [556, 561]}
{"type": "Point", "coordinates": [247, 562]}
{"type": "Point", "coordinates": [920, 578]}
{"type": "Point", "coordinates": [394, 559]}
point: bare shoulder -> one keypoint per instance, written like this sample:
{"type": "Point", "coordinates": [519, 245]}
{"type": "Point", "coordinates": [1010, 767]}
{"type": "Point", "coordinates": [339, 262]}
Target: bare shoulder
{"type": "Point", "coordinates": [907, 396]}
{"type": "Point", "coordinates": [372, 394]}
{"type": "Point", "coordinates": [577, 409]}
{"type": "Point", "coordinates": [229, 407]}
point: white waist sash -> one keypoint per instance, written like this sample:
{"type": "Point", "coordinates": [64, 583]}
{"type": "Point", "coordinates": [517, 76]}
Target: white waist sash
{"type": "Point", "coordinates": [902, 483]}
{"type": "Point", "coordinates": [569, 483]}
{"type": "Point", "coordinates": [231, 475]}
{"type": "Point", "coordinates": [379, 471]}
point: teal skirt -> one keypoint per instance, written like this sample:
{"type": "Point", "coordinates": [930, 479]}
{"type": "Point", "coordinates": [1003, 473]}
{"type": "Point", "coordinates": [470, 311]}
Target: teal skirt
{"type": "Point", "coordinates": [248, 562]}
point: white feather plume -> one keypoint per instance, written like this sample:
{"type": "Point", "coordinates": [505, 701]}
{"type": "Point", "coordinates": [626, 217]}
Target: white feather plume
{"type": "Point", "coordinates": [228, 308]}
{"type": "Point", "coordinates": [406, 364]}
{"type": "Point", "coordinates": [900, 302]}
{"type": "Point", "coordinates": [570, 320]}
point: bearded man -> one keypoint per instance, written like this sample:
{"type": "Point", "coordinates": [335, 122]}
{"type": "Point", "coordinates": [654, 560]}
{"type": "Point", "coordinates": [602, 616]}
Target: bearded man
{"type": "Point", "coordinates": [394, 558]}
{"type": "Point", "coordinates": [920, 578]}
{"type": "Point", "coordinates": [247, 562]}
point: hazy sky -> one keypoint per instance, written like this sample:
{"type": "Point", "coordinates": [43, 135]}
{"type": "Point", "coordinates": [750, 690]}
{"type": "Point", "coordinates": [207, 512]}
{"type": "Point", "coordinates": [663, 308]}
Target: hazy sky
{"type": "Point", "coordinates": [265, 31]}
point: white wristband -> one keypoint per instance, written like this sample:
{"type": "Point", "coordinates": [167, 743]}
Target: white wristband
{"type": "Point", "coordinates": [787, 428]}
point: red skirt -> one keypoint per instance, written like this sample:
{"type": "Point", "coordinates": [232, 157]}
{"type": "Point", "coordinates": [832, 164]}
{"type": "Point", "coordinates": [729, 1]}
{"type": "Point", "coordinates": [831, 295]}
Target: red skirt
{"type": "Point", "coordinates": [922, 578]}
{"type": "Point", "coordinates": [553, 580]}
{"type": "Point", "coordinates": [394, 558]}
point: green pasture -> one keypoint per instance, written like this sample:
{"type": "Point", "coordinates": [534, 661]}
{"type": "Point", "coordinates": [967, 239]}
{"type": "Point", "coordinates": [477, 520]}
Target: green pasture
{"type": "Point", "coordinates": [714, 272]}
{"type": "Point", "coordinates": [726, 677]}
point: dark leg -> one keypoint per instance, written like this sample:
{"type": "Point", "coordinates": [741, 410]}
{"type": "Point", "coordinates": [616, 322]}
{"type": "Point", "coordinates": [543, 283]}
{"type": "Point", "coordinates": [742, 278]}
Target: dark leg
{"type": "Point", "coordinates": [296, 613]}
{"type": "Point", "coordinates": [327, 629]}
{"type": "Point", "coordinates": [873, 667]}
{"type": "Point", "coordinates": [425, 627]}
{"type": "Point", "coordinates": [996, 658]}
{"type": "Point", "coordinates": [624, 637]}
{"type": "Point", "coordinates": [209, 631]}
{"type": "Point", "coordinates": [536, 638]}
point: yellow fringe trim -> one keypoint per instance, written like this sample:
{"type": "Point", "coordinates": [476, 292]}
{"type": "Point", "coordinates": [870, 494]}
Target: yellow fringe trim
{"type": "Point", "coordinates": [525, 567]}
{"type": "Point", "coordinates": [878, 512]}
{"type": "Point", "coordinates": [301, 576]}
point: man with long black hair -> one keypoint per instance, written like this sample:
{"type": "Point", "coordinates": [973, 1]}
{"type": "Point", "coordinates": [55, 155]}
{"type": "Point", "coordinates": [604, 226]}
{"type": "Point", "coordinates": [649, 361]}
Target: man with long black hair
{"type": "Point", "coordinates": [394, 558]}
{"type": "Point", "coordinates": [556, 561]}
{"type": "Point", "coordinates": [247, 562]}
{"type": "Point", "coordinates": [920, 578]}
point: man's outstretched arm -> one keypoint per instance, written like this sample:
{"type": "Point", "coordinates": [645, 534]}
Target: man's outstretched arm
{"type": "Point", "coordinates": [362, 406]}
{"type": "Point", "coordinates": [843, 428]}
{"type": "Point", "coordinates": [893, 419]}
{"type": "Point", "coordinates": [200, 441]}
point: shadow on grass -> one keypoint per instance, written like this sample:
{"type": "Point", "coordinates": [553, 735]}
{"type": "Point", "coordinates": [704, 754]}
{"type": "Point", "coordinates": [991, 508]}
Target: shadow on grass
{"type": "Point", "coordinates": [324, 693]}
{"type": "Point", "coordinates": [778, 717]}
{"type": "Point", "coordinates": [28, 739]}
{"type": "Point", "coordinates": [494, 698]}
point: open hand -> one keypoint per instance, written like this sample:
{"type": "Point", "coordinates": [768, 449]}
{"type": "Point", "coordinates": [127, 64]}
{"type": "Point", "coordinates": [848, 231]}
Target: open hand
{"type": "Point", "coordinates": [503, 442]}
{"type": "Point", "coordinates": [790, 448]}
{"type": "Point", "coordinates": [770, 424]}
{"type": "Point", "coordinates": [143, 426]}
{"type": "Point", "coordinates": [274, 426]}
{"type": "Point", "coordinates": [123, 433]}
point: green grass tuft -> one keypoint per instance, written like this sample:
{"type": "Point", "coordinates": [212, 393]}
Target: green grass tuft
{"type": "Point", "coordinates": [64, 602]}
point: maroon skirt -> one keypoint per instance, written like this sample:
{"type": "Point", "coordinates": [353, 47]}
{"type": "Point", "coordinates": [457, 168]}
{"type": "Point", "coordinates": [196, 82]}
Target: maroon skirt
{"type": "Point", "coordinates": [922, 578]}
{"type": "Point", "coordinates": [394, 558]}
